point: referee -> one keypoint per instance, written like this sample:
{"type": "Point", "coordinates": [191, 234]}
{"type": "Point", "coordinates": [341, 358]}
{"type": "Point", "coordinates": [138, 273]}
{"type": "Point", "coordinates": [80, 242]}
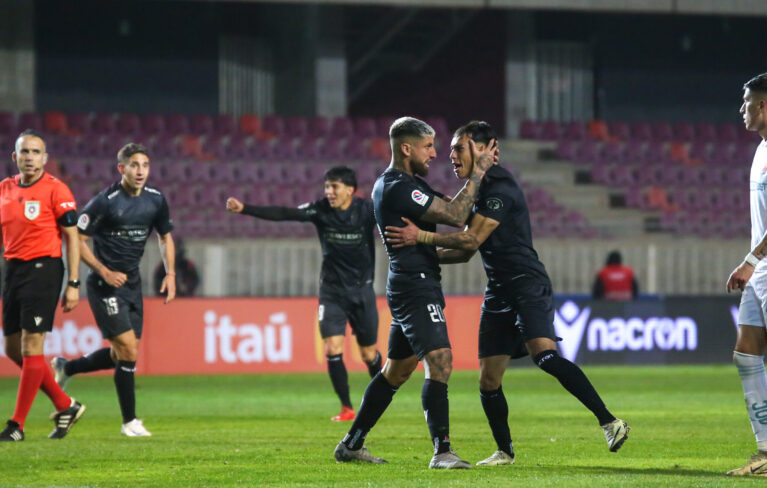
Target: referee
{"type": "Point", "coordinates": [35, 209]}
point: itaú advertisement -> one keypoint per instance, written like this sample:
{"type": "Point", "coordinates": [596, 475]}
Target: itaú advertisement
{"type": "Point", "coordinates": [664, 331]}
{"type": "Point", "coordinates": [240, 335]}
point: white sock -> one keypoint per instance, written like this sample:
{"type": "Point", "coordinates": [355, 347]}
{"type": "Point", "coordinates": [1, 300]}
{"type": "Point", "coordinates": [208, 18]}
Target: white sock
{"type": "Point", "coordinates": [754, 379]}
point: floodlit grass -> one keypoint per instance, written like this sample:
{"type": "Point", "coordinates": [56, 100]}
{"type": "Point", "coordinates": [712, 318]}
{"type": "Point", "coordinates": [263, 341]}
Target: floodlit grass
{"type": "Point", "coordinates": [689, 426]}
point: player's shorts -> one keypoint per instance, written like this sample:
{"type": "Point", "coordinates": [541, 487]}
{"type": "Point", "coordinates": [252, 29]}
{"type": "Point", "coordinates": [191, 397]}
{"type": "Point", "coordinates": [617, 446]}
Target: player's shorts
{"type": "Point", "coordinates": [117, 310]}
{"type": "Point", "coordinates": [31, 293]}
{"type": "Point", "coordinates": [514, 313]}
{"type": "Point", "coordinates": [418, 321]}
{"type": "Point", "coordinates": [753, 306]}
{"type": "Point", "coordinates": [355, 305]}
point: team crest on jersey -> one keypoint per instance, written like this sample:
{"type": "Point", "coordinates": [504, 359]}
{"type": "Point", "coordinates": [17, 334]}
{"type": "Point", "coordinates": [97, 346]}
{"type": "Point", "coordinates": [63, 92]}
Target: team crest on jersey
{"type": "Point", "coordinates": [493, 203]}
{"type": "Point", "coordinates": [31, 209]}
{"type": "Point", "coordinates": [83, 221]}
{"type": "Point", "coordinates": [419, 197]}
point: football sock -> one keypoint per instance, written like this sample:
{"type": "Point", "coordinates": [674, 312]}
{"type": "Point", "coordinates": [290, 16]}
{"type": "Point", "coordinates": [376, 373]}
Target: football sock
{"type": "Point", "coordinates": [436, 409]}
{"type": "Point", "coordinates": [497, 413]}
{"type": "Point", "coordinates": [340, 378]}
{"type": "Point", "coordinates": [95, 361]}
{"type": "Point", "coordinates": [574, 381]}
{"type": "Point", "coordinates": [374, 366]}
{"type": "Point", "coordinates": [49, 386]}
{"type": "Point", "coordinates": [754, 379]}
{"type": "Point", "coordinates": [126, 388]}
{"type": "Point", "coordinates": [376, 399]}
{"type": "Point", "coordinates": [32, 371]}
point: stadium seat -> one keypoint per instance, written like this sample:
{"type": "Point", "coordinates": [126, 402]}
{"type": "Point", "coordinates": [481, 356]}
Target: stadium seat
{"type": "Point", "coordinates": [79, 123]}
{"type": "Point", "coordinates": [153, 124]}
{"type": "Point", "coordinates": [55, 122]}
{"type": "Point", "coordinates": [177, 124]}
{"type": "Point", "coordinates": [620, 131]}
{"type": "Point", "coordinates": [575, 130]}
{"type": "Point", "coordinates": [550, 131]}
{"type": "Point", "coordinates": [641, 131]}
{"type": "Point", "coordinates": [662, 132]}
{"type": "Point", "coordinates": [128, 124]}
{"type": "Point", "coordinates": [683, 132]}
{"type": "Point", "coordinates": [365, 127]}
{"type": "Point", "coordinates": [598, 130]}
{"type": "Point", "coordinates": [319, 126]}
{"type": "Point", "coordinates": [30, 120]}
{"type": "Point", "coordinates": [225, 125]}
{"type": "Point", "coordinates": [8, 123]}
{"type": "Point", "coordinates": [201, 124]}
{"type": "Point", "coordinates": [529, 129]}
{"type": "Point", "coordinates": [272, 126]}
{"type": "Point", "coordinates": [341, 127]}
{"type": "Point", "coordinates": [103, 123]}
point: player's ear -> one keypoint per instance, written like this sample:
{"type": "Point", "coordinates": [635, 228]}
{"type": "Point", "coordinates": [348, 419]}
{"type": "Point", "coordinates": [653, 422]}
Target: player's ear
{"type": "Point", "coordinates": [45, 158]}
{"type": "Point", "coordinates": [405, 148]}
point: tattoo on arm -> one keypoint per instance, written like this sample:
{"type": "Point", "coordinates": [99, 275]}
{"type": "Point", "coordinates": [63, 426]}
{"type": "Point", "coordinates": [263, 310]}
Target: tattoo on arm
{"type": "Point", "coordinates": [453, 256]}
{"type": "Point", "coordinates": [457, 210]}
{"type": "Point", "coordinates": [761, 249]}
{"type": "Point", "coordinates": [457, 240]}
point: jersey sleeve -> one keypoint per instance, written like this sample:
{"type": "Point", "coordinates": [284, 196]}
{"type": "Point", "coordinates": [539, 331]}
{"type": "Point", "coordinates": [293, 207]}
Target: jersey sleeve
{"type": "Point", "coordinates": [309, 212]}
{"type": "Point", "coordinates": [92, 215]}
{"type": "Point", "coordinates": [410, 200]}
{"type": "Point", "coordinates": [495, 205]}
{"type": "Point", "coordinates": [162, 221]}
{"type": "Point", "coordinates": [62, 200]}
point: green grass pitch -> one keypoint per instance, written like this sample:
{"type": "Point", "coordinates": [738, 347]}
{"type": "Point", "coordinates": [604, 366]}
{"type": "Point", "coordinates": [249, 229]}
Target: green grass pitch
{"type": "Point", "coordinates": [689, 426]}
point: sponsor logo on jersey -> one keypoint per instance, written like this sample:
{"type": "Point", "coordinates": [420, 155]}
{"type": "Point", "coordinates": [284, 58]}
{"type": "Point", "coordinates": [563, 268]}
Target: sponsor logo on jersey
{"type": "Point", "coordinates": [493, 203]}
{"type": "Point", "coordinates": [67, 205]}
{"type": "Point", "coordinates": [113, 194]}
{"type": "Point", "coordinates": [83, 222]}
{"type": "Point", "coordinates": [419, 197]}
{"type": "Point", "coordinates": [152, 190]}
{"type": "Point", "coordinates": [31, 209]}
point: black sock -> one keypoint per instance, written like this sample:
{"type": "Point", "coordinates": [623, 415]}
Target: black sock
{"type": "Point", "coordinates": [574, 381]}
{"type": "Point", "coordinates": [126, 388]}
{"type": "Point", "coordinates": [378, 396]}
{"type": "Point", "coordinates": [497, 413]}
{"type": "Point", "coordinates": [437, 411]}
{"type": "Point", "coordinates": [374, 366]}
{"type": "Point", "coordinates": [340, 378]}
{"type": "Point", "coordinates": [97, 360]}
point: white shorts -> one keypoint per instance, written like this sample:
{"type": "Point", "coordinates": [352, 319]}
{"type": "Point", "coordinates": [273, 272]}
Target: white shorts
{"type": "Point", "coordinates": [752, 309]}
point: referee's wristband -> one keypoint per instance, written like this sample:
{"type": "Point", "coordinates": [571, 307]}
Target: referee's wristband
{"type": "Point", "coordinates": [751, 259]}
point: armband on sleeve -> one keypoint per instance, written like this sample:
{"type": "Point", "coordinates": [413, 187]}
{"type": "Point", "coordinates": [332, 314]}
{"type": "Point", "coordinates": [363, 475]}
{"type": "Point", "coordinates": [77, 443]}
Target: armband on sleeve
{"type": "Point", "coordinates": [68, 219]}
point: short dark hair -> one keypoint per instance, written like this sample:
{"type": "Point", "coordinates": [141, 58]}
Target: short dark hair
{"type": "Point", "coordinates": [345, 175]}
{"type": "Point", "coordinates": [478, 130]}
{"type": "Point", "coordinates": [757, 83]}
{"type": "Point", "coordinates": [129, 150]}
{"type": "Point", "coordinates": [614, 258]}
{"type": "Point", "coordinates": [28, 133]}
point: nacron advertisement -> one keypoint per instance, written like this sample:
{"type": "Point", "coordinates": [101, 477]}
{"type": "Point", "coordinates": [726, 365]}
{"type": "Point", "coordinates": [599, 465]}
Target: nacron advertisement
{"type": "Point", "coordinates": [667, 331]}
{"type": "Point", "coordinates": [270, 335]}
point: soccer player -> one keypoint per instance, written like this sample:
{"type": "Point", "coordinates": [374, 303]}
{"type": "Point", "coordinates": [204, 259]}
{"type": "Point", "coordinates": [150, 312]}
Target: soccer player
{"type": "Point", "coordinates": [518, 310]}
{"type": "Point", "coordinates": [751, 278]}
{"type": "Point", "coordinates": [120, 219]}
{"type": "Point", "coordinates": [414, 293]}
{"type": "Point", "coordinates": [35, 210]}
{"type": "Point", "coordinates": [345, 228]}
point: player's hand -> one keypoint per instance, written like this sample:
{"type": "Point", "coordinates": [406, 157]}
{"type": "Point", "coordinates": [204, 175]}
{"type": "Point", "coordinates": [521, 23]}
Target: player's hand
{"type": "Point", "coordinates": [169, 285]}
{"type": "Point", "coordinates": [115, 279]}
{"type": "Point", "coordinates": [234, 205]}
{"type": "Point", "coordinates": [71, 299]}
{"type": "Point", "coordinates": [402, 236]}
{"type": "Point", "coordinates": [739, 277]}
{"type": "Point", "coordinates": [484, 158]}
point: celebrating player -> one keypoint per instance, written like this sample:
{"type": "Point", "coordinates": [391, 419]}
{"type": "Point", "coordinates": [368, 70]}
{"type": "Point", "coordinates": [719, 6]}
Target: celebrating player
{"type": "Point", "coordinates": [751, 278]}
{"type": "Point", "coordinates": [120, 219]}
{"type": "Point", "coordinates": [36, 210]}
{"type": "Point", "coordinates": [418, 330]}
{"type": "Point", "coordinates": [345, 228]}
{"type": "Point", "coordinates": [518, 310]}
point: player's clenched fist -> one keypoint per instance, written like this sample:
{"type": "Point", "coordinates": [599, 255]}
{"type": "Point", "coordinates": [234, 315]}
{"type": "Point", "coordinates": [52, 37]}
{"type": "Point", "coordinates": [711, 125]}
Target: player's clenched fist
{"type": "Point", "coordinates": [234, 205]}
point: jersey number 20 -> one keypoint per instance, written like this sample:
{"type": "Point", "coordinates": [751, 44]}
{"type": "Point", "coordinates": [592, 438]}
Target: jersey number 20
{"type": "Point", "coordinates": [435, 312]}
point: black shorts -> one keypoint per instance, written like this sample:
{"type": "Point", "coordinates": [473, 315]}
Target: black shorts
{"type": "Point", "coordinates": [514, 313]}
{"type": "Point", "coordinates": [31, 293]}
{"type": "Point", "coordinates": [355, 305]}
{"type": "Point", "coordinates": [117, 310]}
{"type": "Point", "coordinates": [418, 321]}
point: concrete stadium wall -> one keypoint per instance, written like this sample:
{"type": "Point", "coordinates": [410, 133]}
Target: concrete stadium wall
{"type": "Point", "coordinates": [287, 268]}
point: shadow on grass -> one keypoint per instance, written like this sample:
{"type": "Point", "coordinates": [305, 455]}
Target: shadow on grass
{"type": "Point", "coordinates": [607, 470]}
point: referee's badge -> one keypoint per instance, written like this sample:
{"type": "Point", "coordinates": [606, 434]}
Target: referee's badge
{"type": "Point", "coordinates": [31, 209]}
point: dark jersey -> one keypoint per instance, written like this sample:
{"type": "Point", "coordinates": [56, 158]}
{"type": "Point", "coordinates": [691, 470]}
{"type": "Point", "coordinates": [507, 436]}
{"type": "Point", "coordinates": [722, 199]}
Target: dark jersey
{"type": "Point", "coordinates": [397, 194]}
{"type": "Point", "coordinates": [120, 225]}
{"type": "Point", "coordinates": [346, 237]}
{"type": "Point", "coordinates": [508, 252]}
